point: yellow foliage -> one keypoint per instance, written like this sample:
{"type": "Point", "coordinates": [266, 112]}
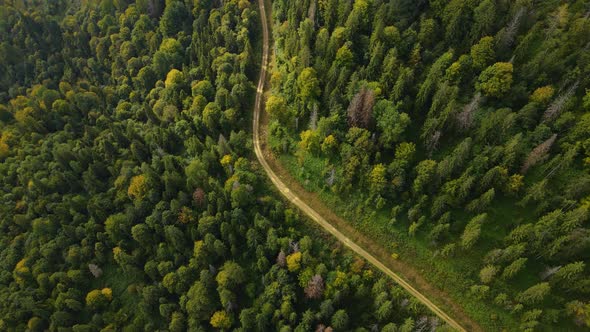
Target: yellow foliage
{"type": "Point", "coordinates": [35, 324]}
{"type": "Point", "coordinates": [197, 248]}
{"type": "Point", "coordinates": [226, 160]}
{"type": "Point", "coordinates": [22, 115]}
{"type": "Point", "coordinates": [21, 271]}
{"type": "Point", "coordinates": [20, 206]}
{"type": "Point", "coordinates": [294, 262]}
{"type": "Point", "coordinates": [543, 94]}
{"type": "Point", "coordinates": [276, 78]}
{"type": "Point", "coordinates": [21, 266]}
{"type": "Point", "coordinates": [96, 299]}
{"type": "Point", "coordinates": [338, 282]}
{"type": "Point", "coordinates": [243, 4]}
{"type": "Point", "coordinates": [220, 320]}
{"type": "Point", "coordinates": [377, 178]}
{"type": "Point", "coordinates": [228, 186]}
{"type": "Point", "coordinates": [5, 139]}
{"type": "Point", "coordinates": [108, 293]}
{"type": "Point", "coordinates": [454, 71]}
{"type": "Point", "coordinates": [173, 78]}
{"type": "Point", "coordinates": [276, 107]}
{"type": "Point", "coordinates": [19, 102]}
{"type": "Point", "coordinates": [4, 149]}
{"type": "Point", "coordinates": [515, 183]}
{"type": "Point", "coordinates": [138, 187]}
{"type": "Point", "coordinates": [70, 95]}
{"type": "Point", "coordinates": [329, 145]}
{"type": "Point", "coordinates": [64, 87]}
{"type": "Point", "coordinates": [310, 141]}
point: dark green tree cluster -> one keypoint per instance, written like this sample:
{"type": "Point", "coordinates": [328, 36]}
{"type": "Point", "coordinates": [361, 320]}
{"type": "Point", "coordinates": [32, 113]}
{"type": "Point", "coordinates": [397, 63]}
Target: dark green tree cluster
{"type": "Point", "coordinates": [465, 121]}
{"type": "Point", "coordinates": [129, 201]}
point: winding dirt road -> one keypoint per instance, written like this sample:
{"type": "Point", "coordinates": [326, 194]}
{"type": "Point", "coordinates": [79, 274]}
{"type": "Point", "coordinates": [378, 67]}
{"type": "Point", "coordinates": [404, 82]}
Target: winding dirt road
{"type": "Point", "coordinates": [295, 200]}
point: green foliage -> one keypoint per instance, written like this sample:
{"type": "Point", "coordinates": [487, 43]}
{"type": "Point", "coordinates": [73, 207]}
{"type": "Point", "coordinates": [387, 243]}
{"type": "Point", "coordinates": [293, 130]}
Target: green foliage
{"type": "Point", "coordinates": [276, 107]}
{"type": "Point", "coordinates": [175, 14]}
{"type": "Point", "coordinates": [230, 276]}
{"type": "Point", "coordinates": [496, 80]}
{"type": "Point", "coordinates": [390, 122]}
{"type": "Point", "coordinates": [587, 100]}
{"type": "Point", "coordinates": [377, 179]}
{"type": "Point", "coordinates": [482, 53]}
{"type": "Point", "coordinates": [310, 142]}
{"type": "Point", "coordinates": [472, 231]}
{"type": "Point", "coordinates": [308, 84]}
{"type": "Point", "coordinates": [487, 274]}
{"type": "Point", "coordinates": [534, 294]}
{"type": "Point", "coordinates": [108, 158]}
{"type": "Point", "coordinates": [492, 163]}
{"type": "Point", "coordinates": [128, 203]}
{"type": "Point", "coordinates": [340, 320]}
{"type": "Point", "coordinates": [425, 171]}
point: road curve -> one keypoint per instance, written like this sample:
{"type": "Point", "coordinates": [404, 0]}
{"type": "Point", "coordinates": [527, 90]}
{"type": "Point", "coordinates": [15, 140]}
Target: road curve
{"type": "Point", "coordinates": [302, 205]}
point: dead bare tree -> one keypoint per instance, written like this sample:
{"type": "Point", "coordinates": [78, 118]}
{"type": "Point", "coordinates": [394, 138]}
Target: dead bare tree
{"type": "Point", "coordinates": [199, 196]}
{"type": "Point", "coordinates": [549, 271]}
{"type": "Point", "coordinates": [315, 287]}
{"type": "Point", "coordinates": [465, 118]}
{"type": "Point", "coordinates": [320, 328]}
{"type": "Point", "coordinates": [95, 270]}
{"type": "Point", "coordinates": [432, 143]}
{"type": "Point", "coordinates": [311, 12]}
{"type": "Point", "coordinates": [281, 259]}
{"type": "Point", "coordinates": [331, 178]}
{"type": "Point", "coordinates": [422, 324]}
{"type": "Point", "coordinates": [559, 103]}
{"type": "Point", "coordinates": [360, 110]}
{"type": "Point", "coordinates": [538, 153]}
{"type": "Point", "coordinates": [294, 246]}
{"type": "Point", "coordinates": [313, 118]}
{"type": "Point", "coordinates": [512, 28]}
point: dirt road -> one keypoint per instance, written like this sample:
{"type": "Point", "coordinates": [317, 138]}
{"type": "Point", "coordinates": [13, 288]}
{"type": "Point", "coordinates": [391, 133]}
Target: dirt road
{"type": "Point", "coordinates": [295, 200]}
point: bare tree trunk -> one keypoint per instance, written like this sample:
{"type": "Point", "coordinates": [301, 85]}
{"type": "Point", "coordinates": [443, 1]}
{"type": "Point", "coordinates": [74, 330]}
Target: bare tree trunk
{"type": "Point", "coordinates": [313, 118]}
{"type": "Point", "coordinates": [512, 28]}
{"type": "Point", "coordinates": [538, 153]}
{"type": "Point", "coordinates": [557, 105]}
{"type": "Point", "coordinates": [465, 118]}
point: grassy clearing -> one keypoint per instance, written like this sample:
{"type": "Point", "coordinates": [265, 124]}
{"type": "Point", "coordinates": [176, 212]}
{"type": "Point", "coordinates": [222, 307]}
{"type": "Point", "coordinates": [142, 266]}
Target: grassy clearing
{"type": "Point", "coordinates": [462, 269]}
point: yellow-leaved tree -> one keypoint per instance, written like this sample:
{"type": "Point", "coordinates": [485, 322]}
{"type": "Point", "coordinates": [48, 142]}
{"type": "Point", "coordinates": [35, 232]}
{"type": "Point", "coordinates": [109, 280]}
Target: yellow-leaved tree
{"type": "Point", "coordinates": [220, 320]}
{"type": "Point", "coordinates": [138, 187]}
{"type": "Point", "coordinates": [294, 261]}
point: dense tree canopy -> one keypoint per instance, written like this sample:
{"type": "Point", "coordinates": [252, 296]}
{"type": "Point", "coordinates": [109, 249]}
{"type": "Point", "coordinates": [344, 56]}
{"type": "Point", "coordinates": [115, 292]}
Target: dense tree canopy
{"type": "Point", "coordinates": [130, 201]}
{"type": "Point", "coordinates": [455, 133]}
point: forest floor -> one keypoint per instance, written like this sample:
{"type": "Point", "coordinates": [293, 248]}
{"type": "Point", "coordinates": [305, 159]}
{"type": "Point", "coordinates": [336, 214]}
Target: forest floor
{"type": "Point", "coordinates": [310, 204]}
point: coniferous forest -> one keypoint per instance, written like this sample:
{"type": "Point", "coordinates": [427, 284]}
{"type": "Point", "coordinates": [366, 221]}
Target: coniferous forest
{"type": "Point", "coordinates": [130, 201]}
{"type": "Point", "coordinates": [456, 134]}
{"type": "Point", "coordinates": [453, 133]}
